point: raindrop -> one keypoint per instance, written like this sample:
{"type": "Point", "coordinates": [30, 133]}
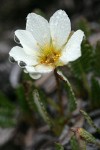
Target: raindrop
{"type": "Point", "coordinates": [11, 59]}
{"type": "Point", "coordinates": [25, 71]}
{"type": "Point", "coordinates": [22, 64]}
{"type": "Point", "coordinates": [16, 39]}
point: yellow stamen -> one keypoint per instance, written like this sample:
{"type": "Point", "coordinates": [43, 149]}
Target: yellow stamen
{"type": "Point", "coordinates": [49, 56]}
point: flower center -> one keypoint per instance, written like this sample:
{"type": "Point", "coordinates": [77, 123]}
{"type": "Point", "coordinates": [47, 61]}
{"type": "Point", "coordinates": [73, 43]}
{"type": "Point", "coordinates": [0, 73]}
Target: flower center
{"type": "Point", "coordinates": [49, 56]}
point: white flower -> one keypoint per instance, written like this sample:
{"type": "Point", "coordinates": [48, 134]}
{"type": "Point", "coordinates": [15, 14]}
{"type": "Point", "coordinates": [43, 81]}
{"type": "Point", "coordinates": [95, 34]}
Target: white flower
{"type": "Point", "coordinates": [46, 45]}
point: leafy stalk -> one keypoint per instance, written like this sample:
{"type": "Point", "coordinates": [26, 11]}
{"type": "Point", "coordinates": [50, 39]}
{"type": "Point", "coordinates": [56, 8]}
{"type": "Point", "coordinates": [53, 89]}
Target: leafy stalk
{"type": "Point", "coordinates": [71, 95]}
{"type": "Point", "coordinates": [74, 143]}
{"type": "Point", "coordinates": [89, 120]}
{"type": "Point", "coordinates": [59, 92]}
{"type": "Point", "coordinates": [42, 109]}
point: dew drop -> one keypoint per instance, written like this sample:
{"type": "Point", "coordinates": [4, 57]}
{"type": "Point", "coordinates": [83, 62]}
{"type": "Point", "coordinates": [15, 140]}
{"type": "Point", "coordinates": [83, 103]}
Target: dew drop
{"type": "Point", "coordinates": [16, 39]}
{"type": "Point", "coordinates": [11, 59]}
{"type": "Point", "coordinates": [25, 71]}
{"type": "Point", "coordinates": [22, 64]}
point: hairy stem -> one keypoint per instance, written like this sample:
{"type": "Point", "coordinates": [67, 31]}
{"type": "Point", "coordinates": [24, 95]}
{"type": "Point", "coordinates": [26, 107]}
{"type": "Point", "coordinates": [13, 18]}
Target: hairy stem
{"type": "Point", "coordinates": [59, 91]}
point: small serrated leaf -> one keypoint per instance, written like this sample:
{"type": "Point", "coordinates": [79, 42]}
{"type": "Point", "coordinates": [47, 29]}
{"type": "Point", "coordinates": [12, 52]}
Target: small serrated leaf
{"type": "Point", "coordinates": [42, 109]}
{"type": "Point", "coordinates": [71, 96]}
{"type": "Point", "coordinates": [86, 136]}
{"type": "Point", "coordinates": [89, 120]}
{"type": "Point", "coordinates": [74, 143]}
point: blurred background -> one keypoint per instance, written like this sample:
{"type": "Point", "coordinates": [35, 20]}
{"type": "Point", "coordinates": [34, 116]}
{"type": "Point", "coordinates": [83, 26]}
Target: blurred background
{"type": "Point", "coordinates": [13, 16]}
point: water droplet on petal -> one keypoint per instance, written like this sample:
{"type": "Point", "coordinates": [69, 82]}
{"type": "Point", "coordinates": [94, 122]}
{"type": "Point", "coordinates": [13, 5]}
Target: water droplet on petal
{"type": "Point", "coordinates": [11, 59]}
{"type": "Point", "coordinates": [22, 64]}
{"type": "Point", "coordinates": [25, 71]}
{"type": "Point", "coordinates": [16, 39]}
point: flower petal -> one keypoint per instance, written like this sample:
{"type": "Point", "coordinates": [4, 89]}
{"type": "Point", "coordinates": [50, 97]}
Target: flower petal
{"type": "Point", "coordinates": [39, 27]}
{"type": "Point", "coordinates": [31, 69]}
{"type": "Point", "coordinates": [60, 28]}
{"type": "Point", "coordinates": [72, 50]}
{"type": "Point", "coordinates": [27, 41]}
{"type": "Point", "coordinates": [43, 68]}
{"type": "Point", "coordinates": [32, 72]}
{"type": "Point", "coordinates": [19, 55]}
{"type": "Point", "coordinates": [35, 75]}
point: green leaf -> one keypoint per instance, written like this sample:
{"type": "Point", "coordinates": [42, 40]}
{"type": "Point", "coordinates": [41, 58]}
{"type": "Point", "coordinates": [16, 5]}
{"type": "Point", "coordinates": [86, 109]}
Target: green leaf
{"type": "Point", "coordinates": [95, 93]}
{"type": "Point", "coordinates": [82, 144]}
{"type": "Point", "coordinates": [74, 143]}
{"type": "Point", "coordinates": [83, 137]}
{"type": "Point", "coordinates": [53, 104]}
{"type": "Point", "coordinates": [5, 102]}
{"type": "Point", "coordinates": [59, 146]}
{"type": "Point", "coordinates": [41, 108]}
{"type": "Point", "coordinates": [84, 64]}
{"type": "Point", "coordinates": [72, 100]}
{"type": "Point", "coordinates": [97, 59]}
{"type": "Point", "coordinates": [22, 99]}
{"type": "Point", "coordinates": [39, 12]}
{"type": "Point", "coordinates": [6, 122]}
{"type": "Point", "coordinates": [86, 136]}
{"type": "Point", "coordinates": [84, 26]}
{"type": "Point", "coordinates": [7, 112]}
{"type": "Point", "coordinates": [89, 120]}
{"type": "Point", "coordinates": [43, 97]}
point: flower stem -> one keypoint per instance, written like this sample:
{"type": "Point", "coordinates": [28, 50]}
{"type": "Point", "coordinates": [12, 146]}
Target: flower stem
{"type": "Point", "coordinates": [59, 92]}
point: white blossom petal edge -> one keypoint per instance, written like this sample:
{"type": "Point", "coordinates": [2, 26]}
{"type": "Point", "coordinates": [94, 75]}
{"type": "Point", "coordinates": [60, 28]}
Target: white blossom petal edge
{"type": "Point", "coordinates": [46, 45]}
